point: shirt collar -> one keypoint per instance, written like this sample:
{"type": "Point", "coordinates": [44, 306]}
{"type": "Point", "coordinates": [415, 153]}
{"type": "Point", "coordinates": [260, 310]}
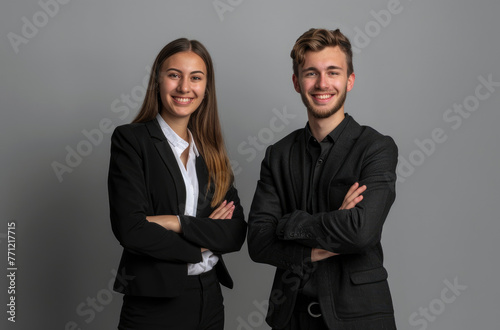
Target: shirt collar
{"type": "Point", "coordinates": [334, 135]}
{"type": "Point", "coordinates": [175, 139]}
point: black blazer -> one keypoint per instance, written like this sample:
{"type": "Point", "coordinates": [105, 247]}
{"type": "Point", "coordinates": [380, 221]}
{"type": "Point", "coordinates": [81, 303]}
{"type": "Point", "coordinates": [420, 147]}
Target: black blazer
{"type": "Point", "coordinates": [353, 289]}
{"type": "Point", "coordinates": [144, 179]}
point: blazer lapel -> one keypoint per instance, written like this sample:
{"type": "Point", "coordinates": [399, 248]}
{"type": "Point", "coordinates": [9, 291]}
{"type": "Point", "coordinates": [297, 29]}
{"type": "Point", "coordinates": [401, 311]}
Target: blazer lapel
{"type": "Point", "coordinates": [297, 168]}
{"type": "Point", "coordinates": [339, 153]}
{"type": "Point", "coordinates": [204, 192]}
{"type": "Point", "coordinates": [168, 157]}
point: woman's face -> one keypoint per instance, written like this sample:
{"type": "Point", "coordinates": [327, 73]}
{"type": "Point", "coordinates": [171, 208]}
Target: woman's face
{"type": "Point", "coordinates": [182, 84]}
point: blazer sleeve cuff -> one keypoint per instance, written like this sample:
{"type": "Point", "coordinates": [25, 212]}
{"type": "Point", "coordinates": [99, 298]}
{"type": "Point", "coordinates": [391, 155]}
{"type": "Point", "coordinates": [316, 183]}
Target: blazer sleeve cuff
{"type": "Point", "coordinates": [280, 228]}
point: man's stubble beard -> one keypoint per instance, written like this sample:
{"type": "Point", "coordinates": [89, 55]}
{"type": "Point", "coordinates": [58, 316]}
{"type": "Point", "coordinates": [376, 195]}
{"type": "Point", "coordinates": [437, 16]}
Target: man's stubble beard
{"type": "Point", "coordinates": [321, 115]}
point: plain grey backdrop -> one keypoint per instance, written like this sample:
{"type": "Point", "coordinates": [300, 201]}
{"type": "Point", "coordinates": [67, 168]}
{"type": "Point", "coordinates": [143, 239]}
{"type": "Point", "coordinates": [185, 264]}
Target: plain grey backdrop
{"type": "Point", "coordinates": [427, 74]}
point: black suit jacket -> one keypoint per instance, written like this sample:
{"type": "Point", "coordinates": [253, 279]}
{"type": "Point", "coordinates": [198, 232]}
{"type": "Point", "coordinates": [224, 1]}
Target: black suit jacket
{"type": "Point", "coordinates": [144, 179]}
{"type": "Point", "coordinates": [353, 289]}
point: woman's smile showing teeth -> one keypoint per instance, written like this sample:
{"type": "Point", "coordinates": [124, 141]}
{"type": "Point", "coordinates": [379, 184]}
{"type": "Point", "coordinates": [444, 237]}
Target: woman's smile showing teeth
{"type": "Point", "coordinates": [182, 100]}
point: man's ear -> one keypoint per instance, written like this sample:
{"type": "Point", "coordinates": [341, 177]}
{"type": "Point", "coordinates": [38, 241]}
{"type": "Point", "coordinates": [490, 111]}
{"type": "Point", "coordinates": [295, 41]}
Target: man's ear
{"type": "Point", "coordinates": [350, 81]}
{"type": "Point", "coordinates": [296, 84]}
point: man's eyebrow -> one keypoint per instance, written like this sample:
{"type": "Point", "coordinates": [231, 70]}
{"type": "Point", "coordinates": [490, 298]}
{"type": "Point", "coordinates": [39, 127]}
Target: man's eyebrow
{"type": "Point", "coordinates": [311, 68]}
{"type": "Point", "coordinates": [193, 72]}
{"type": "Point", "coordinates": [331, 67]}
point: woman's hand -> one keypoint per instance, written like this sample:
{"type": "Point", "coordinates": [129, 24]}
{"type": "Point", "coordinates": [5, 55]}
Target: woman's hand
{"type": "Point", "coordinates": [169, 222]}
{"type": "Point", "coordinates": [353, 196]}
{"type": "Point", "coordinates": [224, 211]}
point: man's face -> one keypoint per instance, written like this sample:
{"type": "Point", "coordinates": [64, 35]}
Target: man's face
{"type": "Point", "coordinates": [322, 82]}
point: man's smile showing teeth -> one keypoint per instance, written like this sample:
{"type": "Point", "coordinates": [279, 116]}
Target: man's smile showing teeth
{"type": "Point", "coordinates": [323, 96]}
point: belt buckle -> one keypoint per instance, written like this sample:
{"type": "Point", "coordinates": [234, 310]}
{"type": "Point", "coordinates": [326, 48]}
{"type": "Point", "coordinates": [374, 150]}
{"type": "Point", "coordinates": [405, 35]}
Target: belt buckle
{"type": "Point", "coordinates": [309, 309]}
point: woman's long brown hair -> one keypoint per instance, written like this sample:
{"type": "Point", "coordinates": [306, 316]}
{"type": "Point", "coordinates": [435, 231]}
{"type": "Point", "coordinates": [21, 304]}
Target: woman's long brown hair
{"type": "Point", "coordinates": [203, 123]}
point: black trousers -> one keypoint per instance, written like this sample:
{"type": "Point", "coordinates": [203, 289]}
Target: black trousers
{"type": "Point", "coordinates": [200, 307]}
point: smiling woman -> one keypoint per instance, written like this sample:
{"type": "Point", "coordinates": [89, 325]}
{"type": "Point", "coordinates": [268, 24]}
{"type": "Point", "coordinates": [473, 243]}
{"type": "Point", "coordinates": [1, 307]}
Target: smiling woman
{"type": "Point", "coordinates": [182, 85]}
{"type": "Point", "coordinates": [173, 205]}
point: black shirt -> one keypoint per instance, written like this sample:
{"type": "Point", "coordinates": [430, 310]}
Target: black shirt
{"type": "Point", "coordinates": [314, 160]}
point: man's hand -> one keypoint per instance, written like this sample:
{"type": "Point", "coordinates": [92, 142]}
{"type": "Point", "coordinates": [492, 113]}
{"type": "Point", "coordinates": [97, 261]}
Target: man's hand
{"type": "Point", "coordinates": [224, 211]}
{"type": "Point", "coordinates": [320, 254]}
{"type": "Point", "coordinates": [353, 196]}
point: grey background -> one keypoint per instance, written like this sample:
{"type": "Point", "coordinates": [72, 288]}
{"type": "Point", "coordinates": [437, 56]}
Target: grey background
{"type": "Point", "coordinates": [409, 71]}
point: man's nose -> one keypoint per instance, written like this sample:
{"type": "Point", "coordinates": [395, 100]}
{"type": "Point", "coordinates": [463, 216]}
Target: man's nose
{"type": "Point", "coordinates": [322, 82]}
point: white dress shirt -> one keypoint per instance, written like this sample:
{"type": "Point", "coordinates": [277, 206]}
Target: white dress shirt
{"type": "Point", "coordinates": [190, 178]}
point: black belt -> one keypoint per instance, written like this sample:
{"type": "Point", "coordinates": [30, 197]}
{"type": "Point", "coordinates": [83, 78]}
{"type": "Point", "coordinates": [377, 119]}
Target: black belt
{"type": "Point", "coordinates": [308, 305]}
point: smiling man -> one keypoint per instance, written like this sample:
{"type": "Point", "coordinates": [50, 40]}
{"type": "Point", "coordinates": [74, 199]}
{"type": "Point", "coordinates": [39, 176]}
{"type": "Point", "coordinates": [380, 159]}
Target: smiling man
{"type": "Point", "coordinates": [322, 199]}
